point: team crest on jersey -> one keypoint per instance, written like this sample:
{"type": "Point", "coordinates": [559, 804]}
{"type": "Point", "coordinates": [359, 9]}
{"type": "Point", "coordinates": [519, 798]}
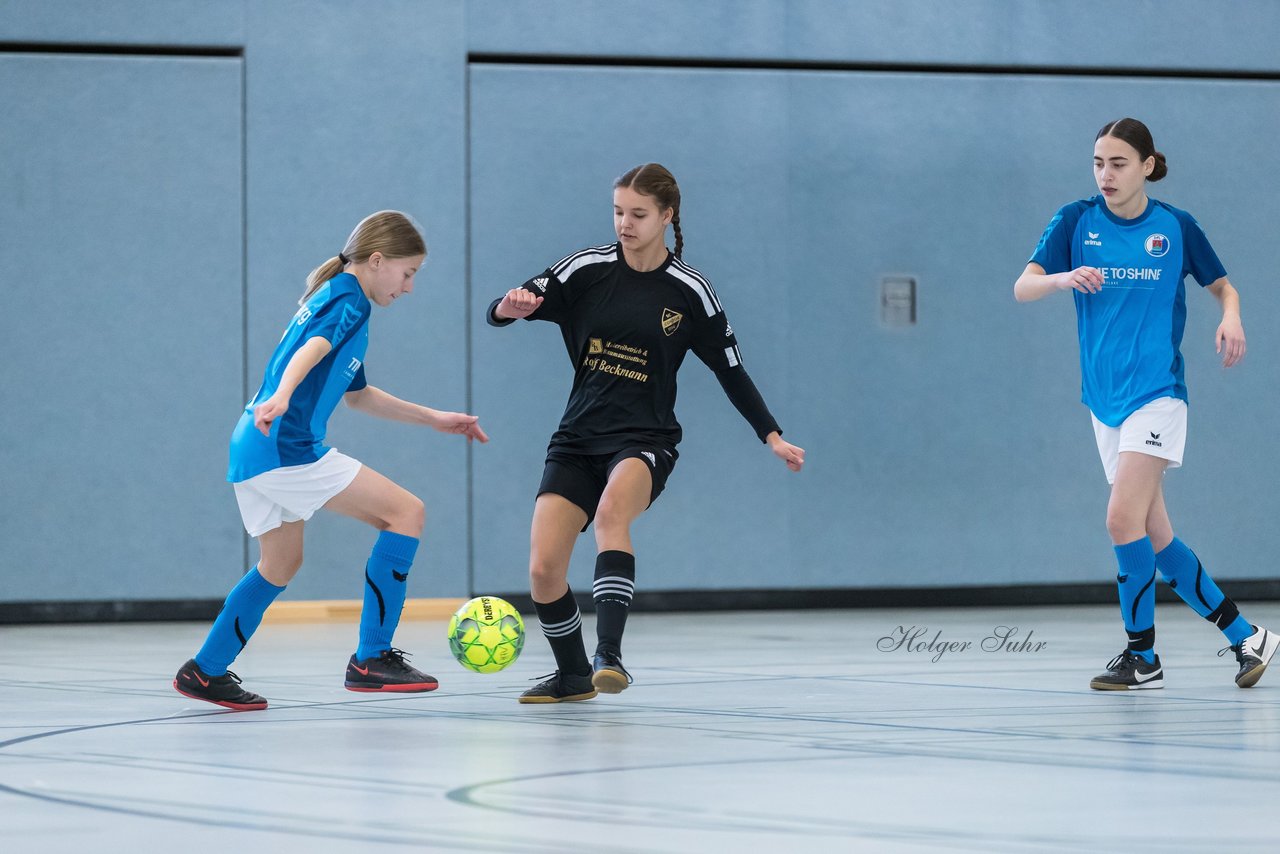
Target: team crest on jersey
{"type": "Point", "coordinates": [1157, 245]}
{"type": "Point", "coordinates": [671, 321]}
{"type": "Point", "coordinates": [595, 346]}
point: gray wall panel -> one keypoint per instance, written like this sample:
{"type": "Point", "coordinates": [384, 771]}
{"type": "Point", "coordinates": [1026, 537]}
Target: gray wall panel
{"type": "Point", "coordinates": [546, 146]}
{"type": "Point", "coordinates": [972, 460]}
{"type": "Point", "coordinates": [341, 125]}
{"type": "Point", "coordinates": [1177, 34]}
{"type": "Point", "coordinates": [137, 22]}
{"type": "Point", "coordinates": [121, 184]}
{"type": "Point", "coordinates": [954, 452]}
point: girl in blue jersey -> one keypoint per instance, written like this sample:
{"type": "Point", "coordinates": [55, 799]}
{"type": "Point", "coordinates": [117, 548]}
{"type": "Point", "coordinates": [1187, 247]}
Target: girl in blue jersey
{"type": "Point", "coordinates": [283, 472]}
{"type": "Point", "coordinates": [1125, 256]}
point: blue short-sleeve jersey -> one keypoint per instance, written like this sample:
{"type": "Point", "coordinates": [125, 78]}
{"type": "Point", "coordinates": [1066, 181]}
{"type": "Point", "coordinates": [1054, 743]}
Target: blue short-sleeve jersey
{"type": "Point", "coordinates": [339, 312]}
{"type": "Point", "coordinates": [1131, 330]}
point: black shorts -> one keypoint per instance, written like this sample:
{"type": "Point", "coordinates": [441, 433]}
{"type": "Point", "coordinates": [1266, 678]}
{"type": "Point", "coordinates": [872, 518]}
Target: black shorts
{"type": "Point", "coordinates": [581, 478]}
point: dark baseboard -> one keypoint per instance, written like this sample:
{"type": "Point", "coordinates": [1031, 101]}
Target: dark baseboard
{"type": "Point", "coordinates": [136, 611]}
{"type": "Point", "coordinates": [894, 597]}
{"type": "Point", "coordinates": [150, 611]}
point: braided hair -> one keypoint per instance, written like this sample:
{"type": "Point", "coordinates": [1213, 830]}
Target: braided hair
{"type": "Point", "coordinates": [653, 179]}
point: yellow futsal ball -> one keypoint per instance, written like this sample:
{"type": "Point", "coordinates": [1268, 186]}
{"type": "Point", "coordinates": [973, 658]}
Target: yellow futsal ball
{"type": "Point", "coordinates": [486, 634]}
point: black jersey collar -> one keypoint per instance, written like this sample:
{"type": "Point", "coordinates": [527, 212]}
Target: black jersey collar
{"type": "Point", "coordinates": [654, 273]}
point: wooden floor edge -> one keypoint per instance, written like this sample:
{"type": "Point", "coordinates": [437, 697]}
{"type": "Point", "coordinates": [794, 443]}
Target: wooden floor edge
{"type": "Point", "coordinates": [348, 610]}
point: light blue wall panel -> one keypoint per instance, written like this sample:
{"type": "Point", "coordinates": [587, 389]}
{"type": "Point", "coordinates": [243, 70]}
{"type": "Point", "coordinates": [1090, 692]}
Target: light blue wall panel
{"type": "Point", "coordinates": [137, 22]}
{"type": "Point", "coordinates": [968, 457]}
{"type": "Point", "coordinates": [120, 223]}
{"type": "Point", "coordinates": [954, 452]}
{"type": "Point", "coordinates": [1128, 33]}
{"type": "Point", "coordinates": [353, 110]}
{"type": "Point", "coordinates": [546, 146]}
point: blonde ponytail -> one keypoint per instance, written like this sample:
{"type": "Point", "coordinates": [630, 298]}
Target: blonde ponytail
{"type": "Point", "coordinates": [391, 233]}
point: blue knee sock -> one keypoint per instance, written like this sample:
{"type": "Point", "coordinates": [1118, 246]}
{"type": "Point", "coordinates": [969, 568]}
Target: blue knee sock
{"type": "Point", "coordinates": [1136, 582]}
{"type": "Point", "coordinates": [384, 591]}
{"type": "Point", "coordinates": [1185, 574]}
{"type": "Point", "coordinates": [236, 623]}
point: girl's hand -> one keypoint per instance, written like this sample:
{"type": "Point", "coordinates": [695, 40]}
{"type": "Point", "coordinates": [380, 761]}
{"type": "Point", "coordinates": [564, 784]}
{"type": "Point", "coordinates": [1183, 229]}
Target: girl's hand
{"type": "Point", "coordinates": [1230, 341]}
{"type": "Point", "coordinates": [517, 303]}
{"type": "Point", "coordinates": [792, 455]}
{"type": "Point", "coordinates": [1086, 280]}
{"type": "Point", "coordinates": [267, 412]}
{"type": "Point", "coordinates": [462, 424]}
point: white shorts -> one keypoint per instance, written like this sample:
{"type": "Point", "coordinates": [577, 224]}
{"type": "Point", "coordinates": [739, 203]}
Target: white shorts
{"type": "Point", "coordinates": [1158, 429]}
{"type": "Point", "coordinates": [292, 493]}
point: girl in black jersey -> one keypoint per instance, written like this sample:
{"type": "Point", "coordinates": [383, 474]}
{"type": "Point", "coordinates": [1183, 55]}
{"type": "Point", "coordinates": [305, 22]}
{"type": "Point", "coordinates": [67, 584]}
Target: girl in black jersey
{"type": "Point", "coordinates": [628, 312]}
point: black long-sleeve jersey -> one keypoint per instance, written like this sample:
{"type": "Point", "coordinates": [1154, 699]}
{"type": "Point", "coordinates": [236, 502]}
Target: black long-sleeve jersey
{"type": "Point", "coordinates": [627, 334]}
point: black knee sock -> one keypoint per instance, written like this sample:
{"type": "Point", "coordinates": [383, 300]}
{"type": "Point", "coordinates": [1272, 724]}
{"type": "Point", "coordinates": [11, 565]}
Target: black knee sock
{"type": "Point", "coordinates": [562, 625]}
{"type": "Point", "coordinates": [614, 585]}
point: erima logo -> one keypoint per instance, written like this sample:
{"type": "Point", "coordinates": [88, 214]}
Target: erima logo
{"type": "Point", "coordinates": [541, 284]}
{"type": "Point", "coordinates": [1154, 440]}
{"type": "Point", "coordinates": [1093, 239]}
{"type": "Point", "coordinates": [353, 366]}
{"type": "Point", "coordinates": [649, 455]}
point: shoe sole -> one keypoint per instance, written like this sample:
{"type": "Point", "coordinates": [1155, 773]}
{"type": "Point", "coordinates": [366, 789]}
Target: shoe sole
{"type": "Point", "coordinates": [226, 704]}
{"type": "Point", "coordinates": [572, 698]}
{"type": "Point", "coordinates": [1112, 686]}
{"type": "Point", "coordinates": [413, 688]}
{"type": "Point", "coordinates": [609, 681]}
{"type": "Point", "coordinates": [1251, 678]}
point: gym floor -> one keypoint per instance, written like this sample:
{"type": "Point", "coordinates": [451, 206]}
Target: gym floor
{"type": "Point", "coordinates": [863, 730]}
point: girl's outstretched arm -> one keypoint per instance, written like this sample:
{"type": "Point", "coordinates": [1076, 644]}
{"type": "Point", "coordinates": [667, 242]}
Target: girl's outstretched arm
{"type": "Point", "coordinates": [374, 401]}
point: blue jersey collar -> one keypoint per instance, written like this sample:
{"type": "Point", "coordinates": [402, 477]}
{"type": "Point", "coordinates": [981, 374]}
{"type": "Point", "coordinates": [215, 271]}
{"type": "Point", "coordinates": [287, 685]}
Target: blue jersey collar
{"type": "Point", "coordinates": [1101, 203]}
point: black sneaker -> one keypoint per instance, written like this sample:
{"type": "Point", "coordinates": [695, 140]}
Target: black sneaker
{"type": "Point", "coordinates": [387, 671]}
{"type": "Point", "coordinates": [1128, 671]}
{"type": "Point", "coordinates": [1254, 654]}
{"type": "Point", "coordinates": [223, 690]}
{"type": "Point", "coordinates": [608, 674]}
{"type": "Point", "coordinates": [559, 688]}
